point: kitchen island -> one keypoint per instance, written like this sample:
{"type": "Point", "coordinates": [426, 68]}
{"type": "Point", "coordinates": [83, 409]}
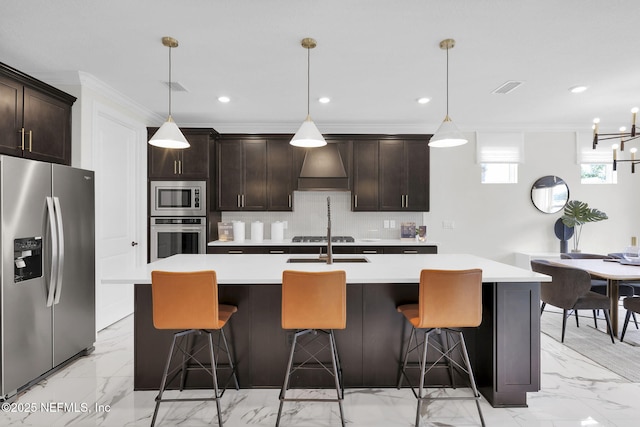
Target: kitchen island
{"type": "Point", "coordinates": [504, 349]}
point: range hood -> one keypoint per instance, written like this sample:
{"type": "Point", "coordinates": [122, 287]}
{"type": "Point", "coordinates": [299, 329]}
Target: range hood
{"type": "Point", "coordinates": [323, 169]}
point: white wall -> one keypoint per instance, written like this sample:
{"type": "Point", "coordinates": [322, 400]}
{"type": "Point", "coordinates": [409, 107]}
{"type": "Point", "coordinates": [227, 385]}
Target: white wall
{"type": "Point", "coordinates": [496, 220]}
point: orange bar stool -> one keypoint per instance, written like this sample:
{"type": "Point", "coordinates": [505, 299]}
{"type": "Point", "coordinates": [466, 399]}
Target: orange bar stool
{"type": "Point", "coordinates": [448, 300]}
{"type": "Point", "coordinates": [314, 304]}
{"type": "Point", "coordinates": [188, 302]}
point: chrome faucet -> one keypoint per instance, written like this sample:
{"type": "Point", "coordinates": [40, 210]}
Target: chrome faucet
{"type": "Point", "coordinates": [329, 250]}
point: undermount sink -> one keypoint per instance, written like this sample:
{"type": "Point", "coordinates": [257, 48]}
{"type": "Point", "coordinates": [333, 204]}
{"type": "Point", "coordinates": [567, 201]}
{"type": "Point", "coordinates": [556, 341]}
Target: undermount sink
{"type": "Point", "coordinates": [324, 260]}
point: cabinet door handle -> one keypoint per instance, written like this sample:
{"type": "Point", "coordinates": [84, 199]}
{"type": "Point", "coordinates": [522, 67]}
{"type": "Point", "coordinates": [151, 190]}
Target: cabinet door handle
{"type": "Point", "coordinates": [235, 252]}
{"type": "Point", "coordinates": [175, 167]}
{"type": "Point", "coordinates": [273, 251]}
{"type": "Point", "coordinates": [238, 201]}
{"type": "Point", "coordinates": [181, 168]}
{"type": "Point", "coordinates": [289, 200]}
{"type": "Point", "coordinates": [409, 251]}
{"type": "Point", "coordinates": [355, 200]}
{"type": "Point", "coordinates": [402, 203]}
{"type": "Point", "coordinates": [21, 131]}
{"type": "Point", "coordinates": [30, 140]}
{"type": "Point", "coordinates": [406, 201]}
{"type": "Point", "coordinates": [242, 198]}
{"type": "Point", "coordinates": [369, 251]}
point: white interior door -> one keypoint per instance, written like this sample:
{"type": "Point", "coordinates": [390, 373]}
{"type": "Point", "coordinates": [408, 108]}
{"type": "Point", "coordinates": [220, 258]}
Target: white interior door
{"type": "Point", "coordinates": [119, 150]}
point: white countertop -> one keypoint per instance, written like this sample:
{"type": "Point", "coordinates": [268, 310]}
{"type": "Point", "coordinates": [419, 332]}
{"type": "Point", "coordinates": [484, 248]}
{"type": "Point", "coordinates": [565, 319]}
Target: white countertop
{"type": "Point", "coordinates": [267, 269]}
{"type": "Point", "coordinates": [358, 242]}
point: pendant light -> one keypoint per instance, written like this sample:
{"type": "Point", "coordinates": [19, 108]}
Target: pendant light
{"type": "Point", "coordinates": [169, 135]}
{"type": "Point", "coordinates": [308, 135]}
{"type": "Point", "coordinates": [447, 134]}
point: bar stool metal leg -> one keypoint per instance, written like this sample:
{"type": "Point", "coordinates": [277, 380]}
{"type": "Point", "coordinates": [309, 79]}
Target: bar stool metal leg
{"type": "Point", "coordinates": [337, 376]}
{"type": "Point", "coordinates": [188, 353]}
{"type": "Point", "coordinates": [230, 358]}
{"type": "Point", "coordinates": [471, 377]}
{"type": "Point", "coordinates": [335, 371]}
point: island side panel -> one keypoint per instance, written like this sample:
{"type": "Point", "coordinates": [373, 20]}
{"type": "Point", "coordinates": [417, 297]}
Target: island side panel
{"type": "Point", "coordinates": [508, 347]}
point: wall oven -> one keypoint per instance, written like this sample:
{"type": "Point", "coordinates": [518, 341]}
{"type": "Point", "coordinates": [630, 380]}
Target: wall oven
{"type": "Point", "coordinates": [177, 235]}
{"type": "Point", "coordinates": [178, 198]}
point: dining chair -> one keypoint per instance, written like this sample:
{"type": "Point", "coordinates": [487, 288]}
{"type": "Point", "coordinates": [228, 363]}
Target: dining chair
{"type": "Point", "coordinates": [599, 285]}
{"type": "Point", "coordinates": [570, 290]}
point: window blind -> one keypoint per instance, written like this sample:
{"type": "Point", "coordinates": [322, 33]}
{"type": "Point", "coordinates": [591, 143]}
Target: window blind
{"type": "Point", "coordinates": [586, 154]}
{"type": "Point", "coordinates": [500, 147]}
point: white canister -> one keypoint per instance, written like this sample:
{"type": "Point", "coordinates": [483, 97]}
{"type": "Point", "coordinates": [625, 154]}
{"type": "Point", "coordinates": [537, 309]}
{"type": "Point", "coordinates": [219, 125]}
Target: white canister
{"type": "Point", "coordinates": [277, 231]}
{"type": "Point", "coordinates": [257, 231]}
{"type": "Point", "coordinates": [238, 231]}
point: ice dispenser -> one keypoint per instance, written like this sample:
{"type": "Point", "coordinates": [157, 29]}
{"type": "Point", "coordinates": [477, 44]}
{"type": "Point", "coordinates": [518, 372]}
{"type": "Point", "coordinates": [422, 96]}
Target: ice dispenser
{"type": "Point", "coordinates": [27, 258]}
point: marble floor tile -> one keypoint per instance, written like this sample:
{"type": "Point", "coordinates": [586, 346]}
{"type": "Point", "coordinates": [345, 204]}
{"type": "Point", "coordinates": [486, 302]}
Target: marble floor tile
{"type": "Point", "coordinates": [97, 390]}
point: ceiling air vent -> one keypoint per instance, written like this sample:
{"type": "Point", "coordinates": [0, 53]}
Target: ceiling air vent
{"type": "Point", "coordinates": [507, 87]}
{"type": "Point", "coordinates": [176, 87]}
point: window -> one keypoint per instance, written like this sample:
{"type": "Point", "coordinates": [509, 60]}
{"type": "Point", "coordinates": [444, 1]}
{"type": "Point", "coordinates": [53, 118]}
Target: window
{"type": "Point", "coordinates": [596, 166]}
{"type": "Point", "coordinates": [498, 155]}
{"type": "Point", "coordinates": [499, 173]}
{"type": "Point", "coordinates": [594, 173]}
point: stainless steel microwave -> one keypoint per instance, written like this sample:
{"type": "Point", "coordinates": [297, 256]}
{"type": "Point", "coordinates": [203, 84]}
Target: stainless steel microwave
{"type": "Point", "coordinates": [178, 198]}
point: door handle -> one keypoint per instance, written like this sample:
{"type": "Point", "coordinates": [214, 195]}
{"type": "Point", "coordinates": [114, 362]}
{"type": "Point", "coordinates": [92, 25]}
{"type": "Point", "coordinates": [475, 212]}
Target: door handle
{"type": "Point", "coordinates": [175, 167]}
{"type": "Point", "coordinates": [22, 139]}
{"type": "Point", "coordinates": [134, 243]}
{"type": "Point", "coordinates": [355, 200]}
{"type": "Point", "coordinates": [406, 201]}
{"type": "Point", "coordinates": [56, 204]}
{"type": "Point", "coordinates": [53, 275]}
{"type": "Point", "coordinates": [30, 140]}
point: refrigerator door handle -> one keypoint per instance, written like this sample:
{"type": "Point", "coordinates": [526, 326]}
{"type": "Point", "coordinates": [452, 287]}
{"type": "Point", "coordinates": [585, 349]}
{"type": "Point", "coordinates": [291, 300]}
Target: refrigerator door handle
{"type": "Point", "coordinates": [59, 281]}
{"type": "Point", "coordinates": [54, 252]}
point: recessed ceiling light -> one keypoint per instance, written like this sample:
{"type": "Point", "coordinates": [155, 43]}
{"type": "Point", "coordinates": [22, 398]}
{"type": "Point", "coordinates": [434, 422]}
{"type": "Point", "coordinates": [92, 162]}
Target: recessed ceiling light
{"type": "Point", "coordinates": [224, 99]}
{"type": "Point", "coordinates": [324, 100]}
{"type": "Point", "coordinates": [577, 89]}
{"type": "Point", "coordinates": [423, 100]}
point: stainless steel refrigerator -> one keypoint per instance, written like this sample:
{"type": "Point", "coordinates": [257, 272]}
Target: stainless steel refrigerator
{"type": "Point", "coordinates": [47, 293]}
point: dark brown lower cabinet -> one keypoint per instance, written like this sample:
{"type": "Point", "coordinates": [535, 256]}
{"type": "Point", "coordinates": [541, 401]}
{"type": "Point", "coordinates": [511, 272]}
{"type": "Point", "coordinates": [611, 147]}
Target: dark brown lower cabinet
{"type": "Point", "coordinates": [504, 350]}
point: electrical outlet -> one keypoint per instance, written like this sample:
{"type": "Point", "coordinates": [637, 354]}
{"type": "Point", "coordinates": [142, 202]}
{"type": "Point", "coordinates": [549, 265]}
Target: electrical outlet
{"type": "Point", "coordinates": [448, 225]}
{"type": "Point", "coordinates": [392, 223]}
{"type": "Point", "coordinates": [386, 223]}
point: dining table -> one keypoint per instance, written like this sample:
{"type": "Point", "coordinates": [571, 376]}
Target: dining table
{"type": "Point", "coordinates": [613, 270]}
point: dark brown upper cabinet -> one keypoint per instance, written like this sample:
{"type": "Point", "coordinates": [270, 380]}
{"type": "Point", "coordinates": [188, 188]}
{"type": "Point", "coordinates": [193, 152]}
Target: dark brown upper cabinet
{"type": "Point", "coordinates": [391, 174]}
{"type": "Point", "coordinates": [242, 174]}
{"type": "Point", "coordinates": [365, 195]}
{"type": "Point", "coordinates": [188, 163]}
{"type": "Point", "coordinates": [35, 118]}
{"type": "Point", "coordinates": [281, 174]}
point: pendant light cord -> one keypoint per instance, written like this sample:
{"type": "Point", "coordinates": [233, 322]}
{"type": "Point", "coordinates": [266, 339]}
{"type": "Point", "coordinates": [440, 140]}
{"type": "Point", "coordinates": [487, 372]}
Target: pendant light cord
{"type": "Point", "coordinates": [447, 82]}
{"type": "Point", "coordinates": [308, 81]}
{"type": "Point", "coordinates": [170, 81]}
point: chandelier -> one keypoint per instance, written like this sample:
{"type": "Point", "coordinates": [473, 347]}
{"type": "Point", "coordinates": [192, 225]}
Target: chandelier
{"type": "Point", "coordinates": [624, 137]}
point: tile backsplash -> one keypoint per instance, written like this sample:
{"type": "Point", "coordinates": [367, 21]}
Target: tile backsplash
{"type": "Point", "coordinates": [309, 218]}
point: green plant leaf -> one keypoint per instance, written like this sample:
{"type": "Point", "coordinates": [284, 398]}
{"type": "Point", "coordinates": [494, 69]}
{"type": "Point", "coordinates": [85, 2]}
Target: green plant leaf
{"type": "Point", "coordinates": [578, 213]}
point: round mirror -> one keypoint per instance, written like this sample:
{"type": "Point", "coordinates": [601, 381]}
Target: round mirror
{"type": "Point", "coordinates": [549, 194]}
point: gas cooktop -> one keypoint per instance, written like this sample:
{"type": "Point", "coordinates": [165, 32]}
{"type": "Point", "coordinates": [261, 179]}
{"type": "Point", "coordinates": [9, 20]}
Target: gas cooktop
{"type": "Point", "coordinates": [334, 239]}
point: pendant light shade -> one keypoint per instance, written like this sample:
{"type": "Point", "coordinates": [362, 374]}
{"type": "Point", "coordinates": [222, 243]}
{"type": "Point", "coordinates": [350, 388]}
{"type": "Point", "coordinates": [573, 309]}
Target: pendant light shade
{"type": "Point", "coordinates": [447, 134]}
{"type": "Point", "coordinates": [308, 135]}
{"type": "Point", "coordinates": [169, 135]}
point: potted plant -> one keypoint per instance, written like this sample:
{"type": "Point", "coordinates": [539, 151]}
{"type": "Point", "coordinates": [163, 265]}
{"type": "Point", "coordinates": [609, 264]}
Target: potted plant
{"type": "Point", "coordinates": [576, 214]}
